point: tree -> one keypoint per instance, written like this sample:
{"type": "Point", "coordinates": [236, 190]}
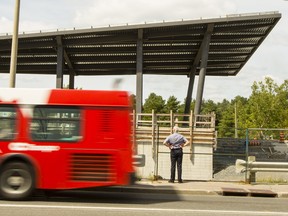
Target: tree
{"type": "Point", "coordinates": [182, 106]}
{"type": "Point", "coordinates": [262, 110]}
{"type": "Point", "coordinates": [172, 104]}
{"type": "Point", "coordinates": [225, 123]}
{"type": "Point", "coordinates": [154, 102]}
{"type": "Point", "coordinates": [220, 109]}
{"type": "Point", "coordinates": [240, 104]}
{"type": "Point", "coordinates": [282, 102]}
{"type": "Point", "coordinates": [208, 107]}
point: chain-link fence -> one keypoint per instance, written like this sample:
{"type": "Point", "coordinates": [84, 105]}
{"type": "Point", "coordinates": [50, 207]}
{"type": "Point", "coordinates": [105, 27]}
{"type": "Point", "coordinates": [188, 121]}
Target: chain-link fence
{"type": "Point", "coordinates": [200, 161]}
{"type": "Point", "coordinates": [266, 145]}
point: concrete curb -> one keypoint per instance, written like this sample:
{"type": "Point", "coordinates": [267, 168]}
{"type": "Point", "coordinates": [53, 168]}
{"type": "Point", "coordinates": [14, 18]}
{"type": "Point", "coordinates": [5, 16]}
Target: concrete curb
{"type": "Point", "coordinates": [182, 191]}
{"type": "Point", "coordinates": [282, 195]}
{"type": "Point", "coordinates": [168, 191]}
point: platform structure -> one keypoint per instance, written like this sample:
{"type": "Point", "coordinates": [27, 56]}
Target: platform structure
{"type": "Point", "coordinates": [203, 47]}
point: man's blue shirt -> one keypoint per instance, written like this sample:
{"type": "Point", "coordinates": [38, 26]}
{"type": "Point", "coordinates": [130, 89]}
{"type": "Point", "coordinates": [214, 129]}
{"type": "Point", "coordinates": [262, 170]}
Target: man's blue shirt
{"type": "Point", "coordinates": [175, 140]}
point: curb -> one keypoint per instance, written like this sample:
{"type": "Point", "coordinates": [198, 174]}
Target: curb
{"type": "Point", "coordinates": [245, 192]}
{"type": "Point", "coordinates": [169, 191]}
{"type": "Point", "coordinates": [282, 195]}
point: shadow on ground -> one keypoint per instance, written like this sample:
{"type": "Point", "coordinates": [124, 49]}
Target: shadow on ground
{"type": "Point", "coordinates": [137, 194]}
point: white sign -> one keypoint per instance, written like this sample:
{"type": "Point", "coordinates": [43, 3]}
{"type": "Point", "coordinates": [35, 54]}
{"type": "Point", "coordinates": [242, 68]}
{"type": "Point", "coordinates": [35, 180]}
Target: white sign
{"type": "Point", "coordinates": [21, 146]}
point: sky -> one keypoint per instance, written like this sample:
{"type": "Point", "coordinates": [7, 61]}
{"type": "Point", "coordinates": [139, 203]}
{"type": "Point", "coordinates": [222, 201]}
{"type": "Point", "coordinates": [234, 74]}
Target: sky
{"type": "Point", "coordinates": [270, 59]}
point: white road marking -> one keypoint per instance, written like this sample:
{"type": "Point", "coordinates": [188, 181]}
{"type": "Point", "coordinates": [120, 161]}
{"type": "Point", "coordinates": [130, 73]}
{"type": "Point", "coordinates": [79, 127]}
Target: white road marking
{"type": "Point", "coordinates": [231, 212]}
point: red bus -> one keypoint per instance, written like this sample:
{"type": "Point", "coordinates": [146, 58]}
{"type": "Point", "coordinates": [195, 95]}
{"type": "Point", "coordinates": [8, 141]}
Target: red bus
{"type": "Point", "coordinates": [63, 139]}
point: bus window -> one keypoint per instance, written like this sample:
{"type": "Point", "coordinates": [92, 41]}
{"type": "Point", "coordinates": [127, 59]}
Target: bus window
{"type": "Point", "coordinates": [7, 122]}
{"type": "Point", "coordinates": [54, 123]}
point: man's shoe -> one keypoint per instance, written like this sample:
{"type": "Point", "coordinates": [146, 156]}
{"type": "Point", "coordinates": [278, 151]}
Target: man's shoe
{"type": "Point", "coordinates": [180, 181]}
{"type": "Point", "coordinates": [171, 181]}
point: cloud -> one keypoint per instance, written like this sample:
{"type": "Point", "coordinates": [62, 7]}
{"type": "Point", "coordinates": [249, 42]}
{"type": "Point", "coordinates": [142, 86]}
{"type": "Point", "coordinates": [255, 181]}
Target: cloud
{"type": "Point", "coordinates": [131, 11]}
{"type": "Point", "coordinates": [32, 26]}
{"type": "Point", "coordinates": [6, 25]}
{"type": "Point", "coordinates": [24, 26]}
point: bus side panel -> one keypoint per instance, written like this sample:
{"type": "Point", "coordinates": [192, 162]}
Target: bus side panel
{"type": "Point", "coordinates": [102, 158]}
{"type": "Point", "coordinates": [110, 129]}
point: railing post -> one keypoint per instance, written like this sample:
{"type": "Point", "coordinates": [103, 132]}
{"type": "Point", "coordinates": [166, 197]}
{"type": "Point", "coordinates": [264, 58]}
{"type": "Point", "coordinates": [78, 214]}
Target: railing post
{"type": "Point", "coordinates": [213, 119]}
{"type": "Point", "coordinates": [252, 175]}
{"type": "Point", "coordinates": [153, 132]}
{"type": "Point", "coordinates": [191, 131]}
{"type": "Point", "coordinates": [246, 152]}
{"type": "Point", "coordinates": [171, 119]}
{"type": "Point", "coordinates": [135, 146]}
{"type": "Point", "coordinates": [154, 143]}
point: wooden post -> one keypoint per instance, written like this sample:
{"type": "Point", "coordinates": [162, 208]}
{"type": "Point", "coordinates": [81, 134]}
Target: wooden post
{"type": "Point", "coordinates": [171, 119]}
{"type": "Point", "coordinates": [191, 132]}
{"type": "Point", "coordinates": [135, 147]}
{"type": "Point", "coordinates": [153, 133]}
{"type": "Point", "coordinates": [252, 175]}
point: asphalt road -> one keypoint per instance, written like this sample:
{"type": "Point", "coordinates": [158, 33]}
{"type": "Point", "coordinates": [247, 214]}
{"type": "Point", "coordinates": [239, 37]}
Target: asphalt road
{"type": "Point", "coordinates": [91, 203]}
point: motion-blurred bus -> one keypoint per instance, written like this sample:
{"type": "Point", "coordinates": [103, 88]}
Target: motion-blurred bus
{"type": "Point", "coordinates": [63, 139]}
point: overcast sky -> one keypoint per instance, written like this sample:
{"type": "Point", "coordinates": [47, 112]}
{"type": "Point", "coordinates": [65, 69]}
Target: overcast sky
{"type": "Point", "coordinates": [269, 60]}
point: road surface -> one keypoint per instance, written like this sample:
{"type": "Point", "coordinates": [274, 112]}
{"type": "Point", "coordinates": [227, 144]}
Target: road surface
{"type": "Point", "coordinates": [94, 203]}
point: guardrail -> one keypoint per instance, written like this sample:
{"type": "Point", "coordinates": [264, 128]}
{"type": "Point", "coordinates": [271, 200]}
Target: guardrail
{"type": "Point", "coordinates": [252, 167]}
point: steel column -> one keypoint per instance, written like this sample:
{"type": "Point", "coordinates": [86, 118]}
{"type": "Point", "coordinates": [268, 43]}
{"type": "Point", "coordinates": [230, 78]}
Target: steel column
{"type": "Point", "coordinates": [71, 80]}
{"type": "Point", "coordinates": [72, 72]}
{"type": "Point", "coordinates": [60, 63]}
{"type": "Point", "coordinates": [203, 67]}
{"type": "Point", "coordinates": [190, 89]}
{"type": "Point", "coordinates": [139, 72]}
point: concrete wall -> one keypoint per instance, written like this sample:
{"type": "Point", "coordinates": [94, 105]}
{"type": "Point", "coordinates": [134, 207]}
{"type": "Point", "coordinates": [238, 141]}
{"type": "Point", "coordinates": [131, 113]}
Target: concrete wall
{"type": "Point", "coordinates": [207, 164]}
{"type": "Point", "coordinates": [196, 166]}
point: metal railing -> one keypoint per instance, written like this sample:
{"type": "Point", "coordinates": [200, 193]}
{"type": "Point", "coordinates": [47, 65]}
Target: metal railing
{"type": "Point", "coordinates": [252, 167]}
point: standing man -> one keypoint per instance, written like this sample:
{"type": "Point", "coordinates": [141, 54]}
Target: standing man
{"type": "Point", "coordinates": [176, 142]}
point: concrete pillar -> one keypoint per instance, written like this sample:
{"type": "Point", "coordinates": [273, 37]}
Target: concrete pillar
{"type": "Point", "coordinates": [139, 72]}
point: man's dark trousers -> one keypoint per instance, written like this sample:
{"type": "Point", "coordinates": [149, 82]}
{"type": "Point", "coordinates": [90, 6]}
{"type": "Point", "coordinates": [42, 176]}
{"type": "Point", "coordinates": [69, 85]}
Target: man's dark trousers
{"type": "Point", "coordinates": [176, 156]}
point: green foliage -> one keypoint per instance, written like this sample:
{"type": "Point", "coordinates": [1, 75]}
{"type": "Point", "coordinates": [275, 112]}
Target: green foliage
{"type": "Point", "coordinates": [172, 104]}
{"type": "Point", "coordinates": [226, 122]}
{"type": "Point", "coordinates": [267, 107]}
{"type": "Point", "coordinates": [208, 107]}
{"type": "Point", "coordinates": [264, 105]}
{"type": "Point", "coordinates": [154, 102]}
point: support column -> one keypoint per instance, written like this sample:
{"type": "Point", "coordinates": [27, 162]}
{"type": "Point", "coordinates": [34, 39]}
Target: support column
{"type": "Point", "coordinates": [71, 80]}
{"type": "Point", "coordinates": [203, 67]}
{"type": "Point", "coordinates": [60, 63]}
{"type": "Point", "coordinates": [190, 89]}
{"type": "Point", "coordinates": [72, 72]}
{"type": "Point", "coordinates": [139, 72]}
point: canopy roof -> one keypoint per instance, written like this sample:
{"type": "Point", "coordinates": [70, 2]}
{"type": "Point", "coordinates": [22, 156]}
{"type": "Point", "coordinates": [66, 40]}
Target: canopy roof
{"type": "Point", "coordinates": [169, 48]}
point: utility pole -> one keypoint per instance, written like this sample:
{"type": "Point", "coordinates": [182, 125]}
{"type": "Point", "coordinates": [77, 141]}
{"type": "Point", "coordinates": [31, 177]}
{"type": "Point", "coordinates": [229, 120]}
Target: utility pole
{"type": "Point", "coordinates": [235, 111]}
{"type": "Point", "coordinates": [14, 48]}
